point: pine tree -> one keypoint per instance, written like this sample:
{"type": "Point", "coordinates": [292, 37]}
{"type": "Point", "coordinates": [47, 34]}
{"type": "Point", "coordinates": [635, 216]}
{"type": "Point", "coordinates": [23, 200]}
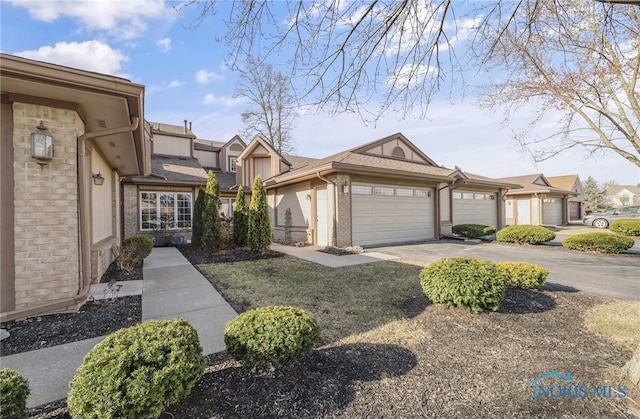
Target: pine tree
{"type": "Point", "coordinates": [198, 208]}
{"type": "Point", "coordinates": [240, 219]}
{"type": "Point", "coordinates": [212, 237]}
{"type": "Point", "coordinates": [259, 224]}
{"type": "Point", "coordinates": [594, 195]}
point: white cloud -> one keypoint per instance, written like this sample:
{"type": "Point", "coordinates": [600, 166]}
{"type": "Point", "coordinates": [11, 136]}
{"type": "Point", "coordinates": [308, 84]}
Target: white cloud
{"type": "Point", "coordinates": [204, 76]}
{"type": "Point", "coordinates": [90, 55]}
{"type": "Point", "coordinates": [176, 83]}
{"type": "Point", "coordinates": [122, 19]}
{"type": "Point", "coordinates": [164, 44]}
{"type": "Point", "coordinates": [227, 101]}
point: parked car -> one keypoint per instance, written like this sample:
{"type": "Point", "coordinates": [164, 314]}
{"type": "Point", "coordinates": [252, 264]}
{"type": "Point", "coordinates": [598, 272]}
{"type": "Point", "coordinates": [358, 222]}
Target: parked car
{"type": "Point", "coordinates": [604, 218]}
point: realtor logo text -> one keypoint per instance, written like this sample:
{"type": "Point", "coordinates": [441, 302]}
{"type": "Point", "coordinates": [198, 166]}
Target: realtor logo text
{"type": "Point", "coordinates": [573, 390]}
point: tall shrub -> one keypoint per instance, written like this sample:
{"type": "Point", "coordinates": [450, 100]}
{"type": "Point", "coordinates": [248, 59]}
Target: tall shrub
{"type": "Point", "coordinates": [240, 219]}
{"type": "Point", "coordinates": [212, 236]}
{"type": "Point", "coordinates": [197, 227]}
{"type": "Point", "coordinates": [14, 391]}
{"type": "Point", "coordinates": [259, 224]}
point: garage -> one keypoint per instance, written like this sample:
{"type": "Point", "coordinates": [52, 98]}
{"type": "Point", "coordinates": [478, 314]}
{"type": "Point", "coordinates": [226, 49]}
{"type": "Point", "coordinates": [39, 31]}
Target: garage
{"type": "Point", "coordinates": [552, 211]}
{"type": "Point", "coordinates": [385, 214]}
{"type": "Point", "coordinates": [475, 208]}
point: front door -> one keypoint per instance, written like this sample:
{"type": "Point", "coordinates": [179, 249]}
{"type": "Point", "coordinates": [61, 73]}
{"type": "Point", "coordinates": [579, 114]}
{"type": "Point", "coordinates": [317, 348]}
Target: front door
{"type": "Point", "coordinates": [321, 217]}
{"type": "Point", "coordinates": [524, 211]}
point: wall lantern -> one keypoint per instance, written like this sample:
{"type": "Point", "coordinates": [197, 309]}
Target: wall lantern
{"type": "Point", "coordinates": [41, 145]}
{"type": "Point", "coordinates": [98, 179]}
{"type": "Point", "coordinates": [345, 188]}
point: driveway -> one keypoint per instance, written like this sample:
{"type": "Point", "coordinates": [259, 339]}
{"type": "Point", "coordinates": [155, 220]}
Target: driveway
{"type": "Point", "coordinates": [616, 276]}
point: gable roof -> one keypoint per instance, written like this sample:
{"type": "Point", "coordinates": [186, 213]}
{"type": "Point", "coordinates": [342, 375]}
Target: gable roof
{"type": "Point", "coordinates": [615, 189]}
{"type": "Point", "coordinates": [364, 149]}
{"type": "Point", "coordinates": [298, 162]}
{"type": "Point", "coordinates": [565, 182]}
{"type": "Point", "coordinates": [534, 183]}
{"type": "Point", "coordinates": [258, 140]}
{"type": "Point", "coordinates": [173, 130]}
{"type": "Point", "coordinates": [172, 170]}
{"type": "Point", "coordinates": [357, 160]}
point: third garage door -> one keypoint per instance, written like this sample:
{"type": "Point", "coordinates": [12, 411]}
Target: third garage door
{"type": "Point", "coordinates": [384, 214]}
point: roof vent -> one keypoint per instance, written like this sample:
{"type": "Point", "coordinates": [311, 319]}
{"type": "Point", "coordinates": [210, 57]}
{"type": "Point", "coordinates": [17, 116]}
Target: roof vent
{"type": "Point", "coordinates": [101, 123]}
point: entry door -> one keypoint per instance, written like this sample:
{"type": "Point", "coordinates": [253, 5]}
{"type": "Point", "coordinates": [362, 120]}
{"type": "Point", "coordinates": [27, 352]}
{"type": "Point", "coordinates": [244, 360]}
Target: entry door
{"type": "Point", "coordinates": [322, 224]}
{"type": "Point", "coordinates": [524, 211]}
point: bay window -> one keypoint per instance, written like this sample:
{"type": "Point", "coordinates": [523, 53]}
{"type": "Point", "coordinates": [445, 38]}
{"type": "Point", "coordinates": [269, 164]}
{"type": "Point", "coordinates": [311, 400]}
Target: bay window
{"type": "Point", "coordinates": [165, 210]}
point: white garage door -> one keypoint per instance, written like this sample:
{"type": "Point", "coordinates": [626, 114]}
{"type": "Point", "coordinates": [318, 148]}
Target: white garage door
{"type": "Point", "coordinates": [390, 214]}
{"type": "Point", "coordinates": [552, 211]}
{"type": "Point", "coordinates": [475, 208]}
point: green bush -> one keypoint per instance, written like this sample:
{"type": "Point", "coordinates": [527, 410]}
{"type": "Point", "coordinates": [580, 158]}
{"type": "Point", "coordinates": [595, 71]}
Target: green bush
{"type": "Point", "coordinates": [137, 372]}
{"type": "Point", "coordinates": [464, 282]}
{"type": "Point", "coordinates": [522, 234]}
{"type": "Point", "coordinates": [598, 242]}
{"type": "Point", "coordinates": [133, 251]}
{"type": "Point", "coordinates": [271, 336]}
{"type": "Point", "coordinates": [473, 231]}
{"type": "Point", "coordinates": [259, 229]}
{"type": "Point", "coordinates": [524, 275]}
{"type": "Point", "coordinates": [629, 227]}
{"type": "Point", "coordinates": [14, 391]}
{"type": "Point", "coordinates": [240, 219]}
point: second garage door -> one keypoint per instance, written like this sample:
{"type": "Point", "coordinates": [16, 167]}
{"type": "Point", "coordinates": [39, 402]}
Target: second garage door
{"type": "Point", "coordinates": [552, 211]}
{"type": "Point", "coordinates": [475, 208]}
{"type": "Point", "coordinates": [390, 214]}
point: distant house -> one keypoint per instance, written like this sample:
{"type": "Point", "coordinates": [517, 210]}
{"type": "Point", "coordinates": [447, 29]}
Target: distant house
{"type": "Point", "coordinates": [537, 202]}
{"type": "Point", "coordinates": [575, 203]}
{"type": "Point", "coordinates": [622, 196]}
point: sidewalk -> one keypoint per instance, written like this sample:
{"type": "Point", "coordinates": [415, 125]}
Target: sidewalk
{"type": "Point", "coordinates": [171, 288]}
{"type": "Point", "coordinates": [313, 254]}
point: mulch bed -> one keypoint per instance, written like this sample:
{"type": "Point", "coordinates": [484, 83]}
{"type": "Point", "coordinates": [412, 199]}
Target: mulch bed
{"type": "Point", "coordinates": [437, 362]}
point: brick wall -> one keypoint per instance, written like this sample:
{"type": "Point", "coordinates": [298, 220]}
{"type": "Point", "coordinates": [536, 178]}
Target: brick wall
{"type": "Point", "coordinates": [130, 216]}
{"type": "Point", "coordinates": [46, 207]}
{"type": "Point", "coordinates": [343, 213]}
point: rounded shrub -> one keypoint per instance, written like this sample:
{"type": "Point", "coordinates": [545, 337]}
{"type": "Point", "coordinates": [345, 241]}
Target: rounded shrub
{"type": "Point", "coordinates": [138, 371]}
{"type": "Point", "coordinates": [473, 231]}
{"type": "Point", "coordinates": [629, 227]}
{"type": "Point", "coordinates": [598, 242]}
{"type": "Point", "coordinates": [474, 284]}
{"type": "Point", "coordinates": [132, 252]}
{"type": "Point", "coordinates": [14, 391]}
{"type": "Point", "coordinates": [522, 234]}
{"type": "Point", "coordinates": [271, 336]}
{"type": "Point", "coordinates": [523, 274]}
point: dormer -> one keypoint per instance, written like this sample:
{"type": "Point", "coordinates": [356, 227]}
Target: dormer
{"type": "Point", "coordinates": [259, 158]}
{"type": "Point", "coordinates": [229, 153]}
{"type": "Point", "coordinates": [172, 140]}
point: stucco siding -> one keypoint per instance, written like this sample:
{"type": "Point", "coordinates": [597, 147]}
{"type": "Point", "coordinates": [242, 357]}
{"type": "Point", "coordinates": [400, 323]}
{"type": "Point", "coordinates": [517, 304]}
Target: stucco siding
{"type": "Point", "coordinates": [173, 146]}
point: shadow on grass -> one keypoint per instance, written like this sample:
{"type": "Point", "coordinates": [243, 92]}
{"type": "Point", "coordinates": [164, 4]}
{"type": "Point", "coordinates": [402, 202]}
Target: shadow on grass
{"type": "Point", "coordinates": [517, 301]}
{"type": "Point", "coordinates": [323, 384]}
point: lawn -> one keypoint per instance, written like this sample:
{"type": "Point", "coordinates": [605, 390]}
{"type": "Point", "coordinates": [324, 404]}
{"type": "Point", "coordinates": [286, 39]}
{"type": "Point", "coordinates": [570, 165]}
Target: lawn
{"type": "Point", "coordinates": [385, 351]}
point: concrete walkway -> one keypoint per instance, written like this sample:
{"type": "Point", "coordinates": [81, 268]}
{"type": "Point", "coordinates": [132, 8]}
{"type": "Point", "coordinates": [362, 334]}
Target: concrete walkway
{"type": "Point", "coordinates": [313, 254]}
{"type": "Point", "coordinates": [171, 288]}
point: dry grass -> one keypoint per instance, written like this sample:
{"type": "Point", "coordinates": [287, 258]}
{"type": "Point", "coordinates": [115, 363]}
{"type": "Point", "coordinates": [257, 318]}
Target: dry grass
{"type": "Point", "coordinates": [617, 321]}
{"type": "Point", "coordinates": [345, 301]}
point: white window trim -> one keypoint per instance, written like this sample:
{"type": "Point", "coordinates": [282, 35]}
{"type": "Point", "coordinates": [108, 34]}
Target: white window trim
{"type": "Point", "coordinates": [175, 209]}
{"type": "Point", "coordinates": [233, 160]}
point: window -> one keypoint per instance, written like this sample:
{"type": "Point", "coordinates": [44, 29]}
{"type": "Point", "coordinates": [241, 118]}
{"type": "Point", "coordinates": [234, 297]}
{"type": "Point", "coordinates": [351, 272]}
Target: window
{"type": "Point", "coordinates": [398, 152]}
{"type": "Point", "coordinates": [232, 163]}
{"type": "Point", "coordinates": [467, 195]}
{"type": "Point", "coordinates": [404, 192]}
{"type": "Point", "coordinates": [165, 210]}
{"type": "Point", "coordinates": [361, 190]}
{"type": "Point", "coordinates": [226, 206]}
{"type": "Point", "coordinates": [457, 195]}
{"type": "Point", "coordinates": [421, 193]}
{"type": "Point", "coordinates": [380, 191]}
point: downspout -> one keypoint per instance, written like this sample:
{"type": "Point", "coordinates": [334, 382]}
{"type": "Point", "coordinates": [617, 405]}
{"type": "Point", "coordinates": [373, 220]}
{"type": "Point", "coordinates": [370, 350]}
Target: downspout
{"type": "Point", "coordinates": [84, 235]}
{"type": "Point", "coordinates": [334, 236]}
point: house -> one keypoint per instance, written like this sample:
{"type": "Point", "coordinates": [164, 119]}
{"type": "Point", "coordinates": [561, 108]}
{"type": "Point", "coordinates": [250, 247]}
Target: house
{"type": "Point", "coordinates": [537, 202]}
{"type": "Point", "coordinates": [575, 203]}
{"type": "Point", "coordinates": [160, 204]}
{"type": "Point", "coordinates": [81, 169]}
{"type": "Point", "coordinates": [622, 196]}
{"type": "Point", "coordinates": [384, 192]}
{"type": "Point", "coordinates": [67, 138]}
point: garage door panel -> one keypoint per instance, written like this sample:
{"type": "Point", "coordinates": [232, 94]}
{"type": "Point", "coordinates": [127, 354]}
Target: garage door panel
{"type": "Point", "coordinates": [475, 211]}
{"type": "Point", "coordinates": [390, 219]}
{"type": "Point", "coordinates": [552, 211]}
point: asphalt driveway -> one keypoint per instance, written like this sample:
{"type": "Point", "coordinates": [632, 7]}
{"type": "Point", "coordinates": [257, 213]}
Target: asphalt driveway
{"type": "Point", "coordinates": [615, 276]}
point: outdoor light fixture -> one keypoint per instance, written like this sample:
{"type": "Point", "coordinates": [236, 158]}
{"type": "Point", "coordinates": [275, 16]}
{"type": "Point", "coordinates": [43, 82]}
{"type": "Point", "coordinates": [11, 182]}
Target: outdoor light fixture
{"type": "Point", "coordinates": [345, 188]}
{"type": "Point", "coordinates": [98, 179]}
{"type": "Point", "coordinates": [41, 145]}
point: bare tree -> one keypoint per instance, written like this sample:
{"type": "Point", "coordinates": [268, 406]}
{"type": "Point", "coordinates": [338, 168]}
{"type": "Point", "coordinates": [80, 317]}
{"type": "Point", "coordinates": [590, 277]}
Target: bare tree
{"type": "Point", "coordinates": [274, 108]}
{"type": "Point", "coordinates": [577, 60]}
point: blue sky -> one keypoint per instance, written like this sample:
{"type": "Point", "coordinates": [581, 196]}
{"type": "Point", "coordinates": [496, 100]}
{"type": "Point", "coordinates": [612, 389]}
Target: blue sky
{"type": "Point", "coordinates": [149, 42]}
